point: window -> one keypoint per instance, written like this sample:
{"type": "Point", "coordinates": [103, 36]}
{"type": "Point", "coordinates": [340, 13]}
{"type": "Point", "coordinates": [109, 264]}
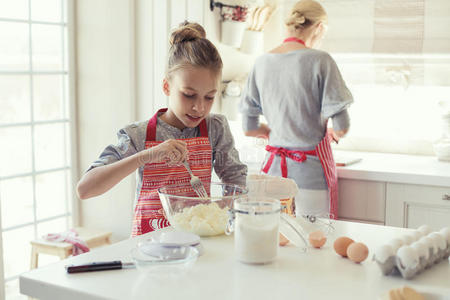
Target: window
{"type": "Point", "coordinates": [35, 126]}
{"type": "Point", "coordinates": [396, 63]}
{"type": "Point", "coordinates": [396, 106]}
{"type": "Point", "coordinates": [395, 59]}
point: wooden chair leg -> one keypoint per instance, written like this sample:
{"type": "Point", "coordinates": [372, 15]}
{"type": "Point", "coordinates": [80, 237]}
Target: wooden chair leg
{"type": "Point", "coordinates": [34, 258]}
{"type": "Point", "coordinates": [65, 253]}
{"type": "Point", "coordinates": [34, 262]}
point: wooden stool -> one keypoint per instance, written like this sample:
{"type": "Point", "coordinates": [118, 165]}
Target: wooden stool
{"type": "Point", "coordinates": [93, 238]}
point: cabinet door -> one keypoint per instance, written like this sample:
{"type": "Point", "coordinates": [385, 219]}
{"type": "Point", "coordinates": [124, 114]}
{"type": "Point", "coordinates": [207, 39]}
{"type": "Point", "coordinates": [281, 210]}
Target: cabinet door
{"type": "Point", "coordinates": [362, 200]}
{"type": "Point", "coordinates": [410, 206]}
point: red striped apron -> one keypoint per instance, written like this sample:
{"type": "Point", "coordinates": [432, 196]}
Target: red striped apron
{"type": "Point", "coordinates": [325, 155]}
{"type": "Point", "coordinates": [148, 214]}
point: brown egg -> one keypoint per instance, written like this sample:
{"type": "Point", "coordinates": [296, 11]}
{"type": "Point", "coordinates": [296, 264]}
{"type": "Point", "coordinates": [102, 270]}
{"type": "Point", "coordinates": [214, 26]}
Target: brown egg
{"type": "Point", "coordinates": [283, 240]}
{"type": "Point", "coordinates": [341, 244]}
{"type": "Point", "coordinates": [317, 239]}
{"type": "Point", "coordinates": [357, 252]}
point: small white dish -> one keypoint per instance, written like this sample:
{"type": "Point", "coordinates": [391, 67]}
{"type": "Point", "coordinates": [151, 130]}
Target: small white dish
{"type": "Point", "coordinates": [442, 150]}
{"type": "Point", "coordinates": [168, 248]}
{"type": "Point", "coordinates": [172, 239]}
{"type": "Point", "coordinates": [185, 255]}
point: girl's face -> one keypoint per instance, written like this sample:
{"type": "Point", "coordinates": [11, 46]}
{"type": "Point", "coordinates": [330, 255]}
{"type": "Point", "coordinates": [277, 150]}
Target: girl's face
{"type": "Point", "coordinates": [191, 92]}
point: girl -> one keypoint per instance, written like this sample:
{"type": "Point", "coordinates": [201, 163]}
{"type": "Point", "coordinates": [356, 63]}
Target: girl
{"type": "Point", "coordinates": [184, 131]}
{"type": "Point", "coordinates": [298, 89]}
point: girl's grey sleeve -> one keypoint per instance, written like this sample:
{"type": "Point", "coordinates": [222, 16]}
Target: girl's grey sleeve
{"type": "Point", "coordinates": [125, 147]}
{"type": "Point", "coordinates": [227, 164]}
{"type": "Point", "coordinates": [250, 105]}
{"type": "Point", "coordinates": [336, 97]}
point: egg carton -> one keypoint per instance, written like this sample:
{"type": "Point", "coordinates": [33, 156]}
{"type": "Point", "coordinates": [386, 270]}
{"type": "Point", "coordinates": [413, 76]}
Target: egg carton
{"type": "Point", "coordinates": [394, 266]}
{"type": "Point", "coordinates": [412, 264]}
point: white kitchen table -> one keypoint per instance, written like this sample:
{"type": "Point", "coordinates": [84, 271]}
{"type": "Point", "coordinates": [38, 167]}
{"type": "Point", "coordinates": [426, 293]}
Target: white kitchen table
{"type": "Point", "coordinates": [316, 274]}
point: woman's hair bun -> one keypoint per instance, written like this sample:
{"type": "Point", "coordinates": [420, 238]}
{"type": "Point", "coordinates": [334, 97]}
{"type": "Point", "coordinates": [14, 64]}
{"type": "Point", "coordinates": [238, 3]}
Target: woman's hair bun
{"type": "Point", "coordinates": [299, 18]}
{"type": "Point", "coordinates": [306, 13]}
{"type": "Point", "coordinates": [187, 32]}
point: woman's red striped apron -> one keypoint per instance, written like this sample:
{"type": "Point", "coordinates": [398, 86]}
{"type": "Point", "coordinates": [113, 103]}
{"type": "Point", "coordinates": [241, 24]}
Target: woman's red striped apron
{"type": "Point", "coordinates": [148, 214]}
{"type": "Point", "coordinates": [324, 153]}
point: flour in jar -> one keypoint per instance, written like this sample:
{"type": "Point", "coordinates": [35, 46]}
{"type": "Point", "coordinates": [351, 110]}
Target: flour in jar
{"type": "Point", "coordinates": [202, 219]}
{"type": "Point", "coordinates": [256, 238]}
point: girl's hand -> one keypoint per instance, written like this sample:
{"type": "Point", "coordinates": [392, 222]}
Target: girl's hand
{"type": "Point", "coordinates": [171, 151]}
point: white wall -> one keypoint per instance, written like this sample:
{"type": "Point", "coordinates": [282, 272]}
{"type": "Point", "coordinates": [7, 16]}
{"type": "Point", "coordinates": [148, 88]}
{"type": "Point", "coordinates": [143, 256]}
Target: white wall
{"type": "Point", "coordinates": [105, 100]}
{"type": "Point", "coordinates": [2, 279]}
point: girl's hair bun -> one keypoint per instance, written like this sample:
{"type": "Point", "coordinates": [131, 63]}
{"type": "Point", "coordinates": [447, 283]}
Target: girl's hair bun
{"type": "Point", "coordinates": [190, 47]}
{"type": "Point", "coordinates": [187, 32]}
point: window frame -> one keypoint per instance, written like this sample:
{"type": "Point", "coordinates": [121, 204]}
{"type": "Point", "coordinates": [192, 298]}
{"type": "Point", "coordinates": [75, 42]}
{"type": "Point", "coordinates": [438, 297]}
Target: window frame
{"type": "Point", "coordinates": [68, 83]}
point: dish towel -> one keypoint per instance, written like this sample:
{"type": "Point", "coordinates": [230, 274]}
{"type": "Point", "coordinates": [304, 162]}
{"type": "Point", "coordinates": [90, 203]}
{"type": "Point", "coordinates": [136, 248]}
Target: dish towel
{"type": "Point", "coordinates": [70, 236]}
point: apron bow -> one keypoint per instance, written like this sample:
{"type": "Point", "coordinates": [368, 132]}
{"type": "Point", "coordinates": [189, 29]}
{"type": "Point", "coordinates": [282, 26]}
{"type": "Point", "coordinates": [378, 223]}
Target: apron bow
{"type": "Point", "coordinates": [298, 156]}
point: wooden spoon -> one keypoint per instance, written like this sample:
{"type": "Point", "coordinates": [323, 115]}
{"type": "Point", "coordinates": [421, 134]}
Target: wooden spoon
{"type": "Point", "coordinates": [251, 19]}
{"type": "Point", "coordinates": [264, 17]}
{"type": "Point", "coordinates": [256, 18]}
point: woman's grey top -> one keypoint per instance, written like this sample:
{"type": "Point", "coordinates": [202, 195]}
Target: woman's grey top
{"type": "Point", "coordinates": [297, 92]}
{"type": "Point", "coordinates": [225, 158]}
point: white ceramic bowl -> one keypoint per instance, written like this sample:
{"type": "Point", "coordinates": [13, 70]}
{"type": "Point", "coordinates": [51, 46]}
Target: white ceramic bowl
{"type": "Point", "coordinates": [442, 149]}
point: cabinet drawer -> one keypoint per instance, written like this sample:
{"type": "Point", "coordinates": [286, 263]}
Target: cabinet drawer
{"type": "Point", "coordinates": [414, 205]}
{"type": "Point", "coordinates": [362, 200]}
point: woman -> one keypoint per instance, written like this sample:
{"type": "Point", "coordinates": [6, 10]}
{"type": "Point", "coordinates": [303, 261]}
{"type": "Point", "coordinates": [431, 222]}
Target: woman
{"type": "Point", "coordinates": [298, 89]}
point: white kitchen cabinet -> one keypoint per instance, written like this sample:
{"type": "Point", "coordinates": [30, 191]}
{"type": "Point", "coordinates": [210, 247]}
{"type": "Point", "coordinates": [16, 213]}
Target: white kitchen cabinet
{"type": "Point", "coordinates": [411, 205]}
{"type": "Point", "coordinates": [362, 201]}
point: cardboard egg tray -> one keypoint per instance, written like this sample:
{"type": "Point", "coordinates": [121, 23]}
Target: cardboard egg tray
{"type": "Point", "coordinates": [393, 265]}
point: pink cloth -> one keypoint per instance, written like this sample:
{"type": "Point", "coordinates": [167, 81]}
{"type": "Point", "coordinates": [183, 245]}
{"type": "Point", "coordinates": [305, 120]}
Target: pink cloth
{"type": "Point", "coordinates": [71, 236]}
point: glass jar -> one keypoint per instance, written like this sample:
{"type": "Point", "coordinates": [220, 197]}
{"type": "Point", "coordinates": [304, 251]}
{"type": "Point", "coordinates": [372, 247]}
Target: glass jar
{"type": "Point", "coordinates": [256, 223]}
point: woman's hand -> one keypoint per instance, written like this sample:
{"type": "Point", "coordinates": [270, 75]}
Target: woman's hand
{"type": "Point", "coordinates": [335, 136]}
{"type": "Point", "coordinates": [171, 151]}
{"type": "Point", "coordinates": [263, 132]}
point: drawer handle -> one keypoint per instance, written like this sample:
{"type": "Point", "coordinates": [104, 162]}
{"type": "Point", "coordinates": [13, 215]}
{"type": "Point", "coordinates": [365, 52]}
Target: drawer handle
{"type": "Point", "coordinates": [446, 197]}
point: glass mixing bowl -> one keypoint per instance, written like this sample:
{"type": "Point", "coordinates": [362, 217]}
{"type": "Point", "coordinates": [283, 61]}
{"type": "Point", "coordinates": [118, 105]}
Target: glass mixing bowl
{"type": "Point", "coordinates": [203, 216]}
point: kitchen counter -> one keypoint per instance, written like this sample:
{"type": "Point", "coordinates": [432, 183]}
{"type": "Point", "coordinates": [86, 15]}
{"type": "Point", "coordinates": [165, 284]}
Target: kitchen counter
{"type": "Point", "coordinates": [317, 274]}
{"type": "Point", "coordinates": [387, 167]}
{"type": "Point", "coordinates": [399, 168]}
